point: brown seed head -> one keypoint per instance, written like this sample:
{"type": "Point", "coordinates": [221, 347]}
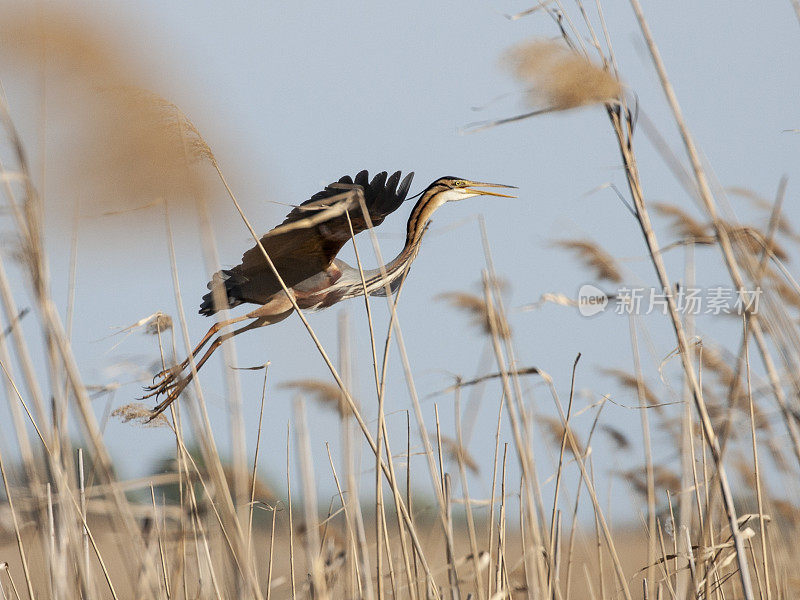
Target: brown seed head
{"type": "Point", "coordinates": [682, 223]}
{"type": "Point", "coordinates": [561, 79]}
{"type": "Point", "coordinates": [555, 430]}
{"type": "Point", "coordinates": [459, 454]}
{"type": "Point", "coordinates": [482, 316]}
{"type": "Point", "coordinates": [594, 257]}
{"type": "Point", "coordinates": [323, 392]}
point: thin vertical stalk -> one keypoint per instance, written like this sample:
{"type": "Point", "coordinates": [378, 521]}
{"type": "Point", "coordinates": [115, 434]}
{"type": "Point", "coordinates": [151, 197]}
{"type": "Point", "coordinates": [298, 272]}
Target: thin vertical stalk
{"type": "Point", "coordinates": [315, 562]}
{"type": "Point", "coordinates": [757, 470]}
{"type": "Point", "coordinates": [87, 572]}
{"type": "Point", "coordinates": [271, 551]}
{"type": "Point", "coordinates": [648, 452]}
{"type": "Point", "coordinates": [289, 504]}
{"type": "Point", "coordinates": [254, 473]}
{"type": "Point", "coordinates": [473, 542]}
{"type": "Point", "coordinates": [555, 511]}
{"type": "Point", "coordinates": [492, 498]}
{"type": "Point", "coordinates": [351, 535]}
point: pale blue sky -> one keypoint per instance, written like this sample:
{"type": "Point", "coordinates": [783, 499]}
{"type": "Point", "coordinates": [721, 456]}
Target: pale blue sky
{"type": "Point", "coordinates": [293, 95]}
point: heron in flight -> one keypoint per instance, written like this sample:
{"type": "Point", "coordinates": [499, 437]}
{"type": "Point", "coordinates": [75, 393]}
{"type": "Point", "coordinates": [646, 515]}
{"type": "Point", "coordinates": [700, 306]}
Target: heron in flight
{"type": "Point", "coordinates": [303, 250]}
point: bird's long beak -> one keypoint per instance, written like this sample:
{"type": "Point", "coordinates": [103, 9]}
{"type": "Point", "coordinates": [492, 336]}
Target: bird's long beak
{"type": "Point", "coordinates": [476, 184]}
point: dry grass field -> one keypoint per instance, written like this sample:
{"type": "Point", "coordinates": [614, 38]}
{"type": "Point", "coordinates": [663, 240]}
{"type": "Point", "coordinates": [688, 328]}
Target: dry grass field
{"type": "Point", "coordinates": [207, 527]}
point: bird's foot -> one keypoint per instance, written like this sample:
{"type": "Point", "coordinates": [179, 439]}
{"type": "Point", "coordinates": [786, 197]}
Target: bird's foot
{"type": "Point", "coordinates": [162, 387]}
{"type": "Point", "coordinates": [167, 373]}
{"type": "Point", "coordinates": [171, 385]}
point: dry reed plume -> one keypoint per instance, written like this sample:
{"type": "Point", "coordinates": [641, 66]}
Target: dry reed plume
{"type": "Point", "coordinates": [483, 316]}
{"type": "Point", "coordinates": [683, 224]}
{"type": "Point", "coordinates": [594, 257]}
{"type": "Point", "coordinates": [620, 440]}
{"type": "Point", "coordinates": [458, 454]}
{"type": "Point", "coordinates": [139, 413]}
{"type": "Point", "coordinates": [128, 147]}
{"type": "Point", "coordinates": [556, 430]}
{"type": "Point", "coordinates": [664, 479]}
{"type": "Point", "coordinates": [326, 394]}
{"type": "Point", "coordinates": [561, 78]}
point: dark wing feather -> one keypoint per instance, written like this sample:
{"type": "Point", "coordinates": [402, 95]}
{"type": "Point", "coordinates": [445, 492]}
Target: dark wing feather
{"type": "Point", "coordinates": [303, 252]}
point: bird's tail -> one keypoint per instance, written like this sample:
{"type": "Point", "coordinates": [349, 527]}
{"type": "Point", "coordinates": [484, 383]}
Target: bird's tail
{"type": "Point", "coordinates": [228, 281]}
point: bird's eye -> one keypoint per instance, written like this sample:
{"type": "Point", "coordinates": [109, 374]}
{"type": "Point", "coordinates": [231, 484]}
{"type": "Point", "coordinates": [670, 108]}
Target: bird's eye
{"type": "Point", "coordinates": [460, 183]}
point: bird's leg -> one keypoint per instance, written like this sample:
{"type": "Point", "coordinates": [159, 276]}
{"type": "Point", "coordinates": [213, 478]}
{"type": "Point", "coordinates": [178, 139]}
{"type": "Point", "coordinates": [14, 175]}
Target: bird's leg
{"type": "Point", "coordinates": [212, 331]}
{"type": "Point", "coordinates": [171, 378]}
{"type": "Point", "coordinates": [173, 384]}
{"type": "Point", "coordinates": [221, 339]}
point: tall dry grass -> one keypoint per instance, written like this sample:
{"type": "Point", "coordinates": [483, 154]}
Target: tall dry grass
{"type": "Point", "coordinates": [208, 528]}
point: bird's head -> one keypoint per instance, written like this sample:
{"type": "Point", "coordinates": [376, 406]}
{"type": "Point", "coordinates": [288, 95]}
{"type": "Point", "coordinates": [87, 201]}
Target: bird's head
{"type": "Point", "coordinates": [443, 190]}
{"type": "Point", "coordinates": [451, 189]}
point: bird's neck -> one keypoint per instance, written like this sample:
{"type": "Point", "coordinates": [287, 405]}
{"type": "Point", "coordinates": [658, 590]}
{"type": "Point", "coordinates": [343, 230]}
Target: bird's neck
{"type": "Point", "coordinates": [417, 224]}
{"type": "Point", "coordinates": [420, 215]}
{"type": "Point", "coordinates": [378, 279]}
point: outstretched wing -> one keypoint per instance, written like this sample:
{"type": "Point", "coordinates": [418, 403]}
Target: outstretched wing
{"type": "Point", "coordinates": [311, 236]}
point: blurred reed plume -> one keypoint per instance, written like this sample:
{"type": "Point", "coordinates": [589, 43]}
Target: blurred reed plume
{"type": "Point", "coordinates": [636, 385]}
{"type": "Point", "coordinates": [722, 366]}
{"type": "Point", "coordinates": [326, 394]}
{"type": "Point", "coordinates": [69, 44]}
{"type": "Point", "coordinates": [126, 147]}
{"type": "Point", "coordinates": [482, 315]}
{"type": "Point", "coordinates": [151, 151]}
{"type": "Point", "coordinates": [594, 257]}
{"type": "Point", "coordinates": [555, 429]}
{"type": "Point", "coordinates": [620, 440]}
{"type": "Point", "coordinates": [788, 294]}
{"type": "Point", "coordinates": [753, 241]}
{"type": "Point", "coordinates": [664, 478]}
{"type": "Point", "coordinates": [458, 454]}
{"type": "Point", "coordinates": [683, 224]}
{"type": "Point", "coordinates": [561, 78]}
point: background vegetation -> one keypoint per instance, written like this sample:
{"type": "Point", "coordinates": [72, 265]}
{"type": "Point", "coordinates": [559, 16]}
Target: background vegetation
{"type": "Point", "coordinates": [712, 461]}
